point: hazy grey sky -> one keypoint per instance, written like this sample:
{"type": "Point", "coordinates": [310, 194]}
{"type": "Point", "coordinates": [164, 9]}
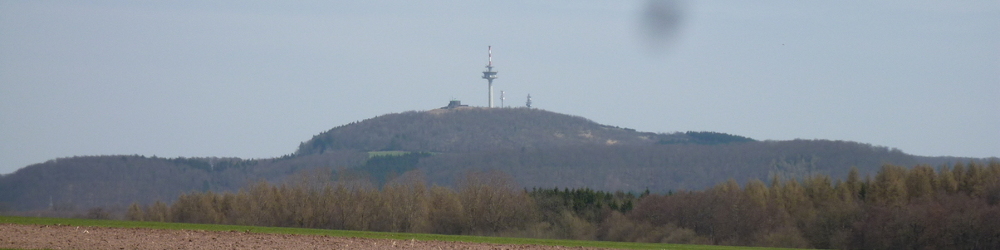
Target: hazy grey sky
{"type": "Point", "coordinates": [254, 79]}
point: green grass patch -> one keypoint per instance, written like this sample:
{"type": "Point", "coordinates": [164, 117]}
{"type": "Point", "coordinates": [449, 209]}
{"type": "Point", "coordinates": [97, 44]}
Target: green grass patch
{"type": "Point", "coordinates": [347, 233]}
{"type": "Point", "coordinates": [386, 153]}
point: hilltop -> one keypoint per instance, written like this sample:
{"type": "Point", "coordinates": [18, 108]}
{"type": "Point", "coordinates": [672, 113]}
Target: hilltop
{"type": "Point", "coordinates": [537, 148]}
{"type": "Point", "coordinates": [471, 129]}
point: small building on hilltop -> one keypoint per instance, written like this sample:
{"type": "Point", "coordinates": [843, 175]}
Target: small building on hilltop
{"type": "Point", "coordinates": [454, 104]}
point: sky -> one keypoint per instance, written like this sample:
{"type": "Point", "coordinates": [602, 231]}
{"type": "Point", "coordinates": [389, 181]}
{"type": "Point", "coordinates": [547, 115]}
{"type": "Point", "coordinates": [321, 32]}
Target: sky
{"type": "Point", "coordinates": [253, 79]}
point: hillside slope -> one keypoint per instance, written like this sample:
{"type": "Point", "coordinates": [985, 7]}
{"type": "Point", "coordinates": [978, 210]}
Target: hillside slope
{"type": "Point", "coordinates": [471, 129]}
{"type": "Point", "coordinates": [116, 181]}
{"type": "Point", "coordinates": [662, 168]}
{"type": "Point", "coordinates": [538, 148]}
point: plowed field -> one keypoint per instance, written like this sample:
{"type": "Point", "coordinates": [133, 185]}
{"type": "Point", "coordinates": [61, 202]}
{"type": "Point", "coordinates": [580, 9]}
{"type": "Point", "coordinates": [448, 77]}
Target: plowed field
{"type": "Point", "coordinates": [82, 237]}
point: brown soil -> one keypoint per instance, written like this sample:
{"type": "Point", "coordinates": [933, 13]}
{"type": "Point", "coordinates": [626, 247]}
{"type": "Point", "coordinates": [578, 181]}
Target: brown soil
{"type": "Point", "coordinates": [73, 237]}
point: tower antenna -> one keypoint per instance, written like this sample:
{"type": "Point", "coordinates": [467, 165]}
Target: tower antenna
{"type": "Point", "coordinates": [489, 74]}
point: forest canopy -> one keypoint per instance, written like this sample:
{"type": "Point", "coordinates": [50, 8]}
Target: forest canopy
{"type": "Point", "coordinates": [951, 207]}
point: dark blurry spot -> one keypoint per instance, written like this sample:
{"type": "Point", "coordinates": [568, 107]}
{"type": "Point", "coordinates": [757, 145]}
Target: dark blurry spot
{"type": "Point", "coordinates": [660, 22]}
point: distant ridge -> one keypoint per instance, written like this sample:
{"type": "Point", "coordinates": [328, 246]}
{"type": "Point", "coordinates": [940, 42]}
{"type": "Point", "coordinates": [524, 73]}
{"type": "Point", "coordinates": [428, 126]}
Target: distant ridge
{"type": "Point", "coordinates": [538, 148]}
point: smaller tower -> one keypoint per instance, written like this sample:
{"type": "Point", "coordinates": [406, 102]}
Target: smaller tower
{"type": "Point", "coordinates": [489, 74]}
{"type": "Point", "coordinates": [502, 98]}
{"type": "Point", "coordinates": [529, 101]}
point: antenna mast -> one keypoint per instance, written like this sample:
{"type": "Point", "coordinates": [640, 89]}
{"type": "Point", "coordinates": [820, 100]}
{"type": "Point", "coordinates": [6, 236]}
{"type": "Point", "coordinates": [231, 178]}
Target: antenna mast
{"type": "Point", "coordinates": [489, 74]}
{"type": "Point", "coordinates": [501, 98]}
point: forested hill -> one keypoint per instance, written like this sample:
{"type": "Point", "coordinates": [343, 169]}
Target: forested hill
{"type": "Point", "coordinates": [478, 129]}
{"type": "Point", "coordinates": [537, 148]}
{"type": "Point", "coordinates": [662, 168]}
{"type": "Point", "coordinates": [83, 182]}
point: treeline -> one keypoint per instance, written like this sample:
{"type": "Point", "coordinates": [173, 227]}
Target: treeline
{"type": "Point", "coordinates": [484, 203]}
{"type": "Point", "coordinates": [919, 208]}
{"type": "Point", "coordinates": [952, 207]}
